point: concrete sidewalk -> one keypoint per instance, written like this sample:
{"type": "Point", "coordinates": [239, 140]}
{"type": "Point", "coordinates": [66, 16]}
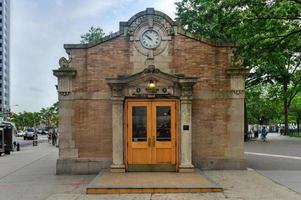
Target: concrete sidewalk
{"type": "Point", "coordinates": [238, 185]}
{"type": "Point", "coordinates": [30, 175]}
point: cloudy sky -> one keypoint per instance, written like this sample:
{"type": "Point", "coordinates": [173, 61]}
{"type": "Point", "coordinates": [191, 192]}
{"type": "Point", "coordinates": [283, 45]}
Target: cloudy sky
{"type": "Point", "coordinates": [39, 29]}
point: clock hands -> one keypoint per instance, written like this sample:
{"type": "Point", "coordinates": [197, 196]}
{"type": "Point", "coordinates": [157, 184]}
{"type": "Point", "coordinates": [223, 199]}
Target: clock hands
{"type": "Point", "coordinates": [148, 37]}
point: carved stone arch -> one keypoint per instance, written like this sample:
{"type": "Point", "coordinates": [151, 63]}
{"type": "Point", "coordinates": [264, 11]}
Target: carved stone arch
{"type": "Point", "coordinates": [176, 86]}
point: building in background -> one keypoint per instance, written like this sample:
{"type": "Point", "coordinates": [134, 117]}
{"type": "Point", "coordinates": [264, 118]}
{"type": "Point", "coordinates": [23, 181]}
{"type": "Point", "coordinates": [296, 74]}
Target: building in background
{"type": "Point", "coordinates": [4, 56]}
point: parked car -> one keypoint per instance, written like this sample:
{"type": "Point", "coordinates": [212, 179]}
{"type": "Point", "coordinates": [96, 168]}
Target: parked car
{"type": "Point", "coordinates": [39, 131]}
{"type": "Point", "coordinates": [42, 131]}
{"type": "Point", "coordinates": [29, 134]}
{"type": "Point", "coordinates": [20, 134]}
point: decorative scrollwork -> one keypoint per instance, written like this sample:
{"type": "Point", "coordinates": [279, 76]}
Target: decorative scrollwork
{"type": "Point", "coordinates": [170, 31]}
{"type": "Point", "coordinates": [64, 63]}
{"type": "Point", "coordinates": [187, 90]}
{"type": "Point", "coordinates": [64, 93]}
{"type": "Point", "coordinates": [151, 69]}
{"type": "Point", "coordinates": [237, 92]}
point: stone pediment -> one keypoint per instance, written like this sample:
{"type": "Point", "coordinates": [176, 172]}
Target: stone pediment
{"type": "Point", "coordinates": [151, 82]}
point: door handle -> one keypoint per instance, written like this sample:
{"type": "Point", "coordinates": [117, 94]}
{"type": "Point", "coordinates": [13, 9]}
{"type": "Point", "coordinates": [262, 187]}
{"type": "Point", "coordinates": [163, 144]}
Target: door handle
{"type": "Point", "coordinates": [149, 142]}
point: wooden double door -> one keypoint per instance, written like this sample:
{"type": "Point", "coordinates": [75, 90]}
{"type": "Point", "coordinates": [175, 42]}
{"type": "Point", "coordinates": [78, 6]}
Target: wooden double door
{"type": "Point", "coordinates": [151, 135]}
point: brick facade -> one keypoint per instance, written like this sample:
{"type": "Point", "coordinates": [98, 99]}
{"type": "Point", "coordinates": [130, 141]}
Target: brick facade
{"type": "Point", "coordinates": [217, 113]}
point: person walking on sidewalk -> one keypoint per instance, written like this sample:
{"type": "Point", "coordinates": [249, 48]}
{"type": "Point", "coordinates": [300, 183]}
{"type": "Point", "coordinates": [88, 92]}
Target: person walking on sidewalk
{"type": "Point", "coordinates": [264, 133]}
{"type": "Point", "coordinates": [53, 137]}
{"type": "Point", "coordinates": [49, 136]}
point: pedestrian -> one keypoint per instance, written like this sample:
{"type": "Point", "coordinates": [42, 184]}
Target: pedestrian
{"type": "Point", "coordinates": [264, 133]}
{"type": "Point", "coordinates": [49, 136]}
{"type": "Point", "coordinates": [53, 137]}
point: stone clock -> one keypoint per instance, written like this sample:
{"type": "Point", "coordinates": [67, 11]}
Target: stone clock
{"type": "Point", "coordinates": [150, 34]}
{"type": "Point", "coordinates": [150, 39]}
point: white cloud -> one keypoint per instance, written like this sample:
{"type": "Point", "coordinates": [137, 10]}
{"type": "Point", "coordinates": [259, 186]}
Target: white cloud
{"type": "Point", "coordinates": [40, 28]}
{"type": "Point", "coordinates": [167, 6]}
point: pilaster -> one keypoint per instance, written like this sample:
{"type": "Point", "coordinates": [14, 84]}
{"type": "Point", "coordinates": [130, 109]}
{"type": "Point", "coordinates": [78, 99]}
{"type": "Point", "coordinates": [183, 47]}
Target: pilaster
{"type": "Point", "coordinates": [117, 130]}
{"type": "Point", "coordinates": [186, 128]}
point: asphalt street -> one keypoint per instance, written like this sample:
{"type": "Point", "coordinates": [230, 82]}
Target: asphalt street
{"type": "Point", "coordinates": [279, 159]}
{"type": "Point", "coordinates": [25, 143]}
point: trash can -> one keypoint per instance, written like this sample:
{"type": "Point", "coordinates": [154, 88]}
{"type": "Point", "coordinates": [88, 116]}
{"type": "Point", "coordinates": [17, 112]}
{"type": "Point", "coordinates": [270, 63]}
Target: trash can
{"type": "Point", "coordinates": [18, 146]}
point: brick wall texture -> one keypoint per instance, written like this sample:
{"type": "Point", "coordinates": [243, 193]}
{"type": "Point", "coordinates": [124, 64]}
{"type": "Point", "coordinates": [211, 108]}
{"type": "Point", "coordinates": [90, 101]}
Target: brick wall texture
{"type": "Point", "coordinates": [92, 131]}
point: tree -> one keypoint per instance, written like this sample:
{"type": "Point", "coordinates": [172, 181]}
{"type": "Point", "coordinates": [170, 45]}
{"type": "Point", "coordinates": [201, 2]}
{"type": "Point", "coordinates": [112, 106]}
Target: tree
{"type": "Point", "coordinates": [295, 111]}
{"type": "Point", "coordinates": [268, 34]}
{"type": "Point", "coordinates": [94, 35]}
{"type": "Point", "coordinates": [26, 119]}
{"type": "Point", "coordinates": [264, 101]}
{"type": "Point", "coordinates": [46, 117]}
{"type": "Point", "coordinates": [50, 116]}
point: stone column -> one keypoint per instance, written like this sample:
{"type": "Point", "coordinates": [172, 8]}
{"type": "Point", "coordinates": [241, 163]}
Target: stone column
{"type": "Point", "coordinates": [186, 130]}
{"type": "Point", "coordinates": [117, 132]}
{"type": "Point", "coordinates": [67, 150]}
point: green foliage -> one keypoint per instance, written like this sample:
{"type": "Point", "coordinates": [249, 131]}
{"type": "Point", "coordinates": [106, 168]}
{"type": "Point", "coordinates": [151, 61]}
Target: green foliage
{"type": "Point", "coordinates": [46, 117]}
{"type": "Point", "coordinates": [295, 109]}
{"type": "Point", "coordinates": [94, 35]}
{"type": "Point", "coordinates": [264, 101]}
{"type": "Point", "coordinates": [268, 35]}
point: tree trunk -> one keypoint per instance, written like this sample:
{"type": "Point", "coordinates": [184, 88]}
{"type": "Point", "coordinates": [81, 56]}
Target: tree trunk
{"type": "Point", "coordinates": [245, 118]}
{"type": "Point", "coordinates": [285, 117]}
{"type": "Point", "coordinates": [285, 107]}
{"type": "Point", "coordinates": [298, 124]}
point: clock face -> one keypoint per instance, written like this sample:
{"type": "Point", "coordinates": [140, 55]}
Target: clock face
{"type": "Point", "coordinates": [150, 39]}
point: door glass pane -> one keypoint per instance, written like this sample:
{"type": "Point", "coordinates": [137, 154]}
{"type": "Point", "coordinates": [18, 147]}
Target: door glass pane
{"type": "Point", "coordinates": [139, 123]}
{"type": "Point", "coordinates": [163, 123]}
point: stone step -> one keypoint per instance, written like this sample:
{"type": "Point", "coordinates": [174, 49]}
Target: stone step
{"type": "Point", "coordinates": [107, 182]}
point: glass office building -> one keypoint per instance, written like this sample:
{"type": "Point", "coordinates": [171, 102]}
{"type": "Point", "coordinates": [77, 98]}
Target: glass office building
{"type": "Point", "coordinates": [4, 56]}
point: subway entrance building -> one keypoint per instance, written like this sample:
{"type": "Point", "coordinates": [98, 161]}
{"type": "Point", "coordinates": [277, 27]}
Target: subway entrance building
{"type": "Point", "coordinates": [150, 97]}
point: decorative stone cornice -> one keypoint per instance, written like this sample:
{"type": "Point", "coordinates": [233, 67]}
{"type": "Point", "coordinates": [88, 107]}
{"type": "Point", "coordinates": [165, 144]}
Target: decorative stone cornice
{"type": "Point", "coordinates": [176, 85]}
{"type": "Point", "coordinates": [237, 80]}
{"type": "Point", "coordinates": [237, 71]}
{"type": "Point", "coordinates": [64, 73]}
{"type": "Point", "coordinates": [90, 45]}
{"type": "Point", "coordinates": [65, 68]}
